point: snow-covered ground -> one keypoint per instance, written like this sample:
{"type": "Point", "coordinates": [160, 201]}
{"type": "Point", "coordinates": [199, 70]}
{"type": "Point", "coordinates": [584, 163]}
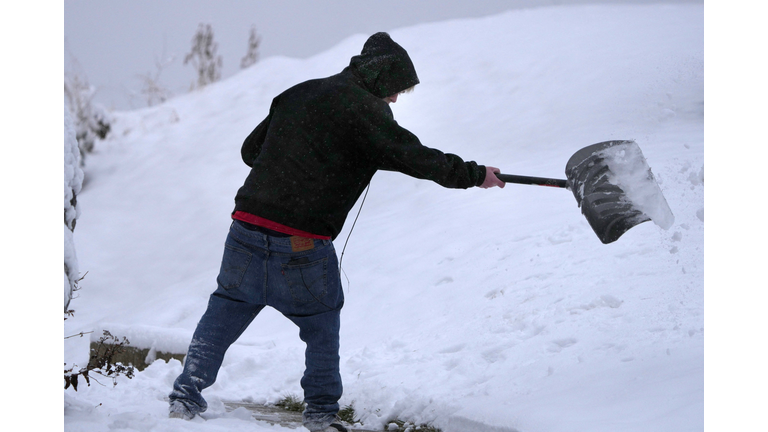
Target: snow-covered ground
{"type": "Point", "coordinates": [476, 310]}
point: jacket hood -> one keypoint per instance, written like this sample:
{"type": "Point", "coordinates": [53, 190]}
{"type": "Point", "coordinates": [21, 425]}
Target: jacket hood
{"type": "Point", "coordinates": [384, 66]}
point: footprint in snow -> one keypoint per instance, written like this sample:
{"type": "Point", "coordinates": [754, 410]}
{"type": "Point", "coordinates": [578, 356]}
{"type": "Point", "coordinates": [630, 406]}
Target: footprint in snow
{"type": "Point", "coordinates": [452, 349]}
{"type": "Point", "coordinates": [559, 238]}
{"type": "Point", "coordinates": [559, 344]}
{"type": "Point", "coordinates": [494, 354]}
{"type": "Point", "coordinates": [607, 300]}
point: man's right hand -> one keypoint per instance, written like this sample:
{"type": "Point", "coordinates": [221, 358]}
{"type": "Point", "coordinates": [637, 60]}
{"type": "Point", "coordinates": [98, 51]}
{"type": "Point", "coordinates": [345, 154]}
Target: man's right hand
{"type": "Point", "coordinates": [490, 178]}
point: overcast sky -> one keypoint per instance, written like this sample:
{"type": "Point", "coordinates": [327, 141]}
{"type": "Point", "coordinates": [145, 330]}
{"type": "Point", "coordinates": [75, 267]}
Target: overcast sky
{"type": "Point", "coordinates": [112, 43]}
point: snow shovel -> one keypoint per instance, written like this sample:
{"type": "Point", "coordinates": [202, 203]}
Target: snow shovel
{"type": "Point", "coordinates": [614, 187]}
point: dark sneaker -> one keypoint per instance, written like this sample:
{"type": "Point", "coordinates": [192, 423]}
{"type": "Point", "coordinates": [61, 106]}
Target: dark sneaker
{"type": "Point", "coordinates": [180, 411]}
{"type": "Point", "coordinates": [335, 426]}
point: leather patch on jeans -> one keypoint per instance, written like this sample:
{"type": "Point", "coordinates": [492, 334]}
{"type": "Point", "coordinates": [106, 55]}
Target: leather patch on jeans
{"type": "Point", "coordinates": [300, 244]}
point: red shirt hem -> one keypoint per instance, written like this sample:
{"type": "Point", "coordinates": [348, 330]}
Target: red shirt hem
{"type": "Point", "coordinates": [274, 226]}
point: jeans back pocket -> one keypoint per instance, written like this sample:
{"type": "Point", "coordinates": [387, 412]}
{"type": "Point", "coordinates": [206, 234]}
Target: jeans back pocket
{"type": "Point", "coordinates": [307, 281]}
{"type": "Point", "coordinates": [233, 266]}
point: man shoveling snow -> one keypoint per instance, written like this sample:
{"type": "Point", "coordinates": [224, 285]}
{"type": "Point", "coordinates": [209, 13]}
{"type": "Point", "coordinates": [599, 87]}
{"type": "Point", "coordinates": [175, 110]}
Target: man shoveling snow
{"type": "Point", "coordinates": [311, 158]}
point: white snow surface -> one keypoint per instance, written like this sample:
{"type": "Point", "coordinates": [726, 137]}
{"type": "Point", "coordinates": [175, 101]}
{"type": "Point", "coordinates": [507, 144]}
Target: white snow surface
{"type": "Point", "coordinates": [474, 310]}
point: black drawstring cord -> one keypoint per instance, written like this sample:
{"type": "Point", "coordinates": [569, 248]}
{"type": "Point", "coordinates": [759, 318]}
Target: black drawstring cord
{"type": "Point", "coordinates": [341, 270]}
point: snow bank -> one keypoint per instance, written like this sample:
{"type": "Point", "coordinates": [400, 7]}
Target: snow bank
{"type": "Point", "coordinates": [140, 336]}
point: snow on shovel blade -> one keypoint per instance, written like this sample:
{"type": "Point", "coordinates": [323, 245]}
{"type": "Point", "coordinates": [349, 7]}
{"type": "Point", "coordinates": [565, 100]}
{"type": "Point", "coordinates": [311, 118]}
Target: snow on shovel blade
{"type": "Point", "coordinates": [615, 188]}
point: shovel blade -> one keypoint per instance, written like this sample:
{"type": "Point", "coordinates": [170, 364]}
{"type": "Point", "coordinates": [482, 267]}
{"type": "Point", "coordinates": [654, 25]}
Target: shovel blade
{"type": "Point", "coordinates": [615, 189]}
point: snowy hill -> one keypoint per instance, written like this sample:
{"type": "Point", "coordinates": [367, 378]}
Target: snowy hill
{"type": "Point", "coordinates": [474, 310]}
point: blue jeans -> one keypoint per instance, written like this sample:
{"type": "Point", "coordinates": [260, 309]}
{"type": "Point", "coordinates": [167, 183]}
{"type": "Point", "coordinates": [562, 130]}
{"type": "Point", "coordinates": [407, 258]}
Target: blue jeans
{"type": "Point", "coordinates": [259, 270]}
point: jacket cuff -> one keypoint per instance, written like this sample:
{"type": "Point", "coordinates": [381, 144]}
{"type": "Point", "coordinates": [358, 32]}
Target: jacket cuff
{"type": "Point", "coordinates": [481, 177]}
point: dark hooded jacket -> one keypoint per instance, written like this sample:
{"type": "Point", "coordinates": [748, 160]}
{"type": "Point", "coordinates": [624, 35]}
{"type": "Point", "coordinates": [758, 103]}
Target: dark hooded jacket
{"type": "Point", "coordinates": [324, 139]}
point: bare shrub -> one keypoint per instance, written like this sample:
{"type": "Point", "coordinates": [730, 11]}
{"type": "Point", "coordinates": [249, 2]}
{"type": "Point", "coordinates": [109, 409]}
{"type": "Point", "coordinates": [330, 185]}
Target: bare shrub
{"type": "Point", "coordinates": [101, 363]}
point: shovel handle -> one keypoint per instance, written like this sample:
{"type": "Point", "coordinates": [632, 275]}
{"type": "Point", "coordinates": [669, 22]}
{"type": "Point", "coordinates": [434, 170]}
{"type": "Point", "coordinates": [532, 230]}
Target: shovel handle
{"type": "Point", "coordinates": [538, 181]}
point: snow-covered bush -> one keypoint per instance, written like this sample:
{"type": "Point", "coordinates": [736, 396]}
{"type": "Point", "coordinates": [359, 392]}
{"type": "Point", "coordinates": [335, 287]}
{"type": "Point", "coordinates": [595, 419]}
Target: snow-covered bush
{"type": "Point", "coordinates": [203, 56]}
{"type": "Point", "coordinates": [252, 55]}
{"type": "Point", "coordinates": [73, 182]}
{"type": "Point", "coordinates": [91, 120]}
{"type": "Point", "coordinates": [151, 90]}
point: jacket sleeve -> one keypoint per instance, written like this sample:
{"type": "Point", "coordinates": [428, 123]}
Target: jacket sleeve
{"type": "Point", "coordinates": [394, 148]}
{"type": "Point", "coordinates": [252, 144]}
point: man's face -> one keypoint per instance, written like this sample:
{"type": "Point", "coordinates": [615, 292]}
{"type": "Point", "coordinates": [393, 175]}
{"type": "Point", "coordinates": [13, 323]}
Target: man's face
{"type": "Point", "coordinates": [391, 99]}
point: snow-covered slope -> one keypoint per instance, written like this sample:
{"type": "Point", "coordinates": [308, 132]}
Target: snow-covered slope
{"type": "Point", "coordinates": [475, 310]}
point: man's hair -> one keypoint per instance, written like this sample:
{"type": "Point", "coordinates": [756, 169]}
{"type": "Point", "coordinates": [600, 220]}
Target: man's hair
{"type": "Point", "coordinates": [408, 90]}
